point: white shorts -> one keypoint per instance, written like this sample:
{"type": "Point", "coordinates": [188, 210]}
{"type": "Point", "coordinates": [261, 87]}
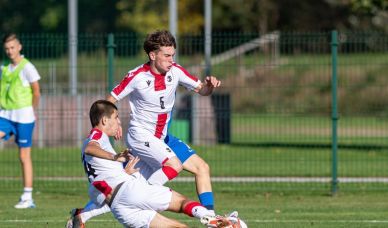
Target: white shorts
{"type": "Point", "coordinates": [137, 202]}
{"type": "Point", "coordinates": [152, 151]}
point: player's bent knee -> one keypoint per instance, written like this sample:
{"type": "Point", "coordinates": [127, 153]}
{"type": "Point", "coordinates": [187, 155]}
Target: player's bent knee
{"type": "Point", "coordinates": [175, 164]}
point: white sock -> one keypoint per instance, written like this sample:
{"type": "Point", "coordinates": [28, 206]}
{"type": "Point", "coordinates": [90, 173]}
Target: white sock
{"type": "Point", "coordinates": [158, 178]}
{"type": "Point", "coordinates": [200, 211]}
{"type": "Point", "coordinates": [27, 194]}
{"type": "Point", "coordinates": [91, 210]}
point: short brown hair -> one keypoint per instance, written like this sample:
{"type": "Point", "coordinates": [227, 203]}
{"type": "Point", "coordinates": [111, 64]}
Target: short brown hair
{"type": "Point", "coordinates": [10, 36]}
{"type": "Point", "coordinates": [157, 39]}
{"type": "Point", "coordinates": [100, 109]}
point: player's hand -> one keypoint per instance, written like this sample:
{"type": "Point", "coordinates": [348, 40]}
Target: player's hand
{"type": "Point", "coordinates": [128, 154]}
{"type": "Point", "coordinates": [212, 82]}
{"type": "Point", "coordinates": [119, 134]}
{"type": "Point", "coordinates": [130, 168]}
{"type": "Point", "coordinates": [124, 156]}
{"type": "Point", "coordinates": [120, 157]}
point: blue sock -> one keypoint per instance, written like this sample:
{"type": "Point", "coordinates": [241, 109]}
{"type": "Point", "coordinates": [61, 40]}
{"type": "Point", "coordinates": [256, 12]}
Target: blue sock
{"type": "Point", "coordinates": [89, 204]}
{"type": "Point", "coordinates": [207, 200]}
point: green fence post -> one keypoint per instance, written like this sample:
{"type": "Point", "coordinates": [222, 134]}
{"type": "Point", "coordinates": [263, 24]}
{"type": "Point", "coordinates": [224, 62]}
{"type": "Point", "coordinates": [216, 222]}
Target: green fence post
{"type": "Point", "coordinates": [111, 51]}
{"type": "Point", "coordinates": [334, 114]}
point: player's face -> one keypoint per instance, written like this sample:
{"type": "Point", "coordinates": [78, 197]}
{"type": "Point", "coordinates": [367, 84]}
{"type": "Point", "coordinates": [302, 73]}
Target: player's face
{"type": "Point", "coordinates": [163, 59]}
{"type": "Point", "coordinates": [113, 123]}
{"type": "Point", "coordinates": [12, 48]}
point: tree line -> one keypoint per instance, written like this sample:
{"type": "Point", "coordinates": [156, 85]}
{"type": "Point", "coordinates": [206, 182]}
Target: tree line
{"type": "Point", "coordinates": [228, 15]}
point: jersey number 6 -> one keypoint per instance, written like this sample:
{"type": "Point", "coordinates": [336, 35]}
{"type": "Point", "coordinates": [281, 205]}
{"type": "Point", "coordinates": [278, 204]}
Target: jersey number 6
{"type": "Point", "coordinates": [161, 102]}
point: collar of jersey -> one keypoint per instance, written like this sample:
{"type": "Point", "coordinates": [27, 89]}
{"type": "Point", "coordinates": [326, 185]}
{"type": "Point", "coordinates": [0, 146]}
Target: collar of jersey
{"type": "Point", "coordinates": [153, 73]}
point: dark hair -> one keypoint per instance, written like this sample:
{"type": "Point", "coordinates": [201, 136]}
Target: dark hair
{"type": "Point", "coordinates": [157, 39]}
{"type": "Point", "coordinates": [100, 109]}
{"type": "Point", "coordinates": [10, 36]}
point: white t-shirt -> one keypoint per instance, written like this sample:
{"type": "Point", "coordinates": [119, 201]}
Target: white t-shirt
{"type": "Point", "coordinates": [99, 167]}
{"type": "Point", "coordinates": [104, 175]}
{"type": "Point", "coordinates": [152, 96]}
{"type": "Point", "coordinates": [28, 75]}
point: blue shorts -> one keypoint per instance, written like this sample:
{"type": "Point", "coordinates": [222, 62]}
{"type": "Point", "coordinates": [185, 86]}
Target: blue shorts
{"type": "Point", "coordinates": [181, 149]}
{"type": "Point", "coordinates": [22, 132]}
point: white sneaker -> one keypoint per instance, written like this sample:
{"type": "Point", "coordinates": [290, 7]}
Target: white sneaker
{"type": "Point", "coordinates": [235, 221]}
{"type": "Point", "coordinates": [230, 221]}
{"type": "Point", "coordinates": [212, 212]}
{"type": "Point", "coordinates": [233, 214]}
{"type": "Point", "coordinates": [23, 204]}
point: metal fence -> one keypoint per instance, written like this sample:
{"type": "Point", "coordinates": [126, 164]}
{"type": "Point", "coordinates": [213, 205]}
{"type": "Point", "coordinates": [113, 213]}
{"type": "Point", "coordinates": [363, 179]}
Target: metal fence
{"type": "Point", "coordinates": [299, 109]}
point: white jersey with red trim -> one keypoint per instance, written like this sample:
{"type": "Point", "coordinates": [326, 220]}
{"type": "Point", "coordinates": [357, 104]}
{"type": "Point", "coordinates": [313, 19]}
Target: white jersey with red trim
{"type": "Point", "coordinates": [152, 96]}
{"type": "Point", "coordinates": [99, 168]}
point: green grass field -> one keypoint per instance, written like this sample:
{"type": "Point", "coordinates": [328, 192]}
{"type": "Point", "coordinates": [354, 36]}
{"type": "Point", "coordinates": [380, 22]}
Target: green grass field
{"type": "Point", "coordinates": [262, 146]}
{"type": "Point", "coordinates": [276, 208]}
{"type": "Point", "coordinates": [262, 204]}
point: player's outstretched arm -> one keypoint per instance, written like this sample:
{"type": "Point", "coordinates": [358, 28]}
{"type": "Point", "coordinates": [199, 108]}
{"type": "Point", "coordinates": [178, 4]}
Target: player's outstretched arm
{"type": "Point", "coordinates": [94, 149]}
{"type": "Point", "coordinates": [206, 88]}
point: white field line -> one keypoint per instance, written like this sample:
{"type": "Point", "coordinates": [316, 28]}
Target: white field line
{"type": "Point", "coordinates": [291, 179]}
{"type": "Point", "coordinates": [314, 221]}
{"type": "Point", "coordinates": [244, 179]}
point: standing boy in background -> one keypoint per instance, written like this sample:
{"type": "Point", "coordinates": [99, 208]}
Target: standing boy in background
{"type": "Point", "coordinates": [19, 98]}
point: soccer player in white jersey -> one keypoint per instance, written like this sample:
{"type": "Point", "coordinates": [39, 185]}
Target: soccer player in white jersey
{"type": "Point", "coordinates": [19, 98]}
{"type": "Point", "coordinates": [133, 201]}
{"type": "Point", "coordinates": [151, 89]}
